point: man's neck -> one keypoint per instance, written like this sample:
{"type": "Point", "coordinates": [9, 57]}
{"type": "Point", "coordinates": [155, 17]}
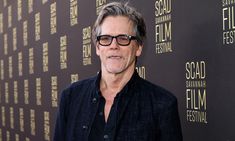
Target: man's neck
{"type": "Point", "coordinates": [111, 84]}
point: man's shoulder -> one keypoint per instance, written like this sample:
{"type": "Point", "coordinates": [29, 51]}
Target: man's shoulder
{"type": "Point", "coordinates": [80, 87]}
{"type": "Point", "coordinates": [156, 92]}
{"type": "Point", "coordinates": [83, 83]}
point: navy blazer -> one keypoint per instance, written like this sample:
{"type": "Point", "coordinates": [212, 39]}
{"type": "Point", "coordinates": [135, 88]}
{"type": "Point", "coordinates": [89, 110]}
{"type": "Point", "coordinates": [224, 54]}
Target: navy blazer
{"type": "Point", "coordinates": [146, 112]}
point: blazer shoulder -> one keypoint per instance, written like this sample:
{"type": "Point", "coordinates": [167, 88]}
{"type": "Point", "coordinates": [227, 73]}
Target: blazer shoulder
{"type": "Point", "coordinates": [79, 88]}
{"type": "Point", "coordinates": [157, 93]}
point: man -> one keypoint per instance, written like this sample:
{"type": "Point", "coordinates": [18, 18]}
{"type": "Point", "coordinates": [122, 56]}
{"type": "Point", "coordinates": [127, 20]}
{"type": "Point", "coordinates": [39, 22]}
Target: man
{"type": "Point", "coordinates": [117, 105]}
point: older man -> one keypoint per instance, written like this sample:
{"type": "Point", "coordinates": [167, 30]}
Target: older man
{"type": "Point", "coordinates": [117, 105]}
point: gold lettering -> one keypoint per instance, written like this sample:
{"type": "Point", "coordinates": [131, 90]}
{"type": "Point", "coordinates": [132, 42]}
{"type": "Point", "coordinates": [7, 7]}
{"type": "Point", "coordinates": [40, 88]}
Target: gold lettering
{"type": "Point", "coordinates": [45, 57]}
{"type": "Point", "coordinates": [30, 6]}
{"type": "Point", "coordinates": [14, 38]}
{"type": "Point", "coordinates": [27, 139]}
{"type": "Point", "coordinates": [141, 71]}
{"type": "Point", "coordinates": [163, 47]}
{"type": "Point", "coordinates": [163, 29]}
{"type": "Point", "coordinates": [1, 134]}
{"type": "Point", "coordinates": [9, 16]}
{"type": "Point", "coordinates": [196, 91]}
{"type": "Point", "coordinates": [195, 99]}
{"type": "Point", "coordinates": [163, 32]}
{"type": "Point", "coordinates": [228, 24]}
{"type": "Point", "coordinates": [12, 117]}
{"type": "Point", "coordinates": [4, 3]}
{"type": "Point", "coordinates": [19, 9]}
{"type": "Point", "coordinates": [8, 136]}
{"type": "Point", "coordinates": [73, 12]}
{"type": "Point", "coordinates": [74, 78]}
{"type": "Point", "coordinates": [6, 92]}
{"type": "Point", "coordinates": [196, 116]}
{"type": "Point", "coordinates": [44, 1]}
{"type": "Point", "coordinates": [162, 7]}
{"type": "Point", "coordinates": [53, 18]}
{"type": "Point", "coordinates": [37, 26]}
{"type": "Point", "coordinates": [15, 92]}
{"type": "Point", "coordinates": [228, 18]}
{"type": "Point", "coordinates": [31, 61]}
{"type": "Point", "coordinates": [2, 69]}
{"type": "Point", "coordinates": [196, 84]}
{"type": "Point", "coordinates": [20, 63]}
{"type": "Point", "coordinates": [25, 33]}
{"type": "Point", "coordinates": [26, 91]}
{"type": "Point", "coordinates": [100, 2]}
{"type": "Point", "coordinates": [99, 5]}
{"type": "Point", "coordinates": [32, 122]}
{"type": "Point", "coordinates": [17, 137]}
{"type": "Point", "coordinates": [87, 46]}
{"type": "Point", "coordinates": [54, 91]}
{"type": "Point", "coordinates": [86, 33]}
{"type": "Point", "coordinates": [5, 44]}
{"type": "Point", "coordinates": [227, 2]}
{"type": "Point", "coordinates": [1, 22]}
{"type": "Point", "coordinates": [86, 54]}
{"type": "Point", "coordinates": [46, 126]}
{"type": "Point", "coordinates": [229, 37]}
{"type": "Point", "coordinates": [3, 116]}
{"type": "Point", "coordinates": [21, 115]}
{"type": "Point", "coordinates": [63, 52]}
{"type": "Point", "coordinates": [87, 50]}
{"type": "Point", "coordinates": [0, 95]}
{"type": "Point", "coordinates": [195, 70]}
{"type": "Point", "coordinates": [10, 67]}
{"type": "Point", "coordinates": [164, 18]}
{"type": "Point", "coordinates": [225, 18]}
{"type": "Point", "coordinates": [38, 92]}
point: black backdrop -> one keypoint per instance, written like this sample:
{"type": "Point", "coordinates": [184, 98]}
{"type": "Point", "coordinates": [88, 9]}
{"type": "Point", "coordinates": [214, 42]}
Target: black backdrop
{"type": "Point", "coordinates": [45, 45]}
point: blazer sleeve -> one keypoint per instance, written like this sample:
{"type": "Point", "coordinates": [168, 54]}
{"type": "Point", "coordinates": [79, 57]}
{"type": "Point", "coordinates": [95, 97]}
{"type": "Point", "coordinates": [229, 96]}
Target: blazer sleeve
{"type": "Point", "coordinates": [170, 128]}
{"type": "Point", "coordinates": [61, 120]}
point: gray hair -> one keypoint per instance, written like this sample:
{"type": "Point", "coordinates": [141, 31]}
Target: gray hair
{"type": "Point", "coordinates": [120, 9]}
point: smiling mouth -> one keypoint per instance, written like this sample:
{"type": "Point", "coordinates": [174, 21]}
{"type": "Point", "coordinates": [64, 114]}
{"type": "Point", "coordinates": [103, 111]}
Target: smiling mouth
{"type": "Point", "coordinates": [114, 57]}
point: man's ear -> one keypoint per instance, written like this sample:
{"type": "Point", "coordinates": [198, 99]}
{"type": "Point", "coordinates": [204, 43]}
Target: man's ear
{"type": "Point", "coordinates": [97, 48]}
{"type": "Point", "coordinates": [139, 50]}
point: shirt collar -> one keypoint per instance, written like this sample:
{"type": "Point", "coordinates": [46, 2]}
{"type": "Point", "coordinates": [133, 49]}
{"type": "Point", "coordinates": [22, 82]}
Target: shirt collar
{"type": "Point", "coordinates": [128, 86]}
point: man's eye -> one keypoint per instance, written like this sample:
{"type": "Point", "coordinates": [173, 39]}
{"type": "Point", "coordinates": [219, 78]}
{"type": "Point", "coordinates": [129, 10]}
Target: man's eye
{"type": "Point", "coordinates": [123, 38]}
{"type": "Point", "coordinates": [104, 38]}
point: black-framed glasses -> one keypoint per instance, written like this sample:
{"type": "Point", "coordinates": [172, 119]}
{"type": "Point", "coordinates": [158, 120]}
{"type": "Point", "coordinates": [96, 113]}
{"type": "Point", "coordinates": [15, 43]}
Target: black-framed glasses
{"type": "Point", "coordinates": [122, 39]}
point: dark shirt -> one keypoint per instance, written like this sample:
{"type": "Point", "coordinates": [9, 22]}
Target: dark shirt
{"type": "Point", "coordinates": [144, 112]}
{"type": "Point", "coordinates": [100, 129]}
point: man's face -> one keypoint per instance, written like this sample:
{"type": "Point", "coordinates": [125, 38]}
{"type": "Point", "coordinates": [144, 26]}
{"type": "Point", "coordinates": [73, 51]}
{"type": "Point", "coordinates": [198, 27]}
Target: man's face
{"type": "Point", "coordinates": [116, 58]}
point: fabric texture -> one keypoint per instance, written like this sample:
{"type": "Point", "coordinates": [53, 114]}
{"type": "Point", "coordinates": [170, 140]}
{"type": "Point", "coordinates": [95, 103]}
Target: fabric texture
{"type": "Point", "coordinates": [145, 112]}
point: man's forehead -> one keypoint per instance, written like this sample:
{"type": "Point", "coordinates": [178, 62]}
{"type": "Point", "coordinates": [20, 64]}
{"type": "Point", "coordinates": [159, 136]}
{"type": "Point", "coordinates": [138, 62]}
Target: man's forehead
{"type": "Point", "coordinates": [117, 24]}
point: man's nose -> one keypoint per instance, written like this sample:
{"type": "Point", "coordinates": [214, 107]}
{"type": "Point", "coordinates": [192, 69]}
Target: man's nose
{"type": "Point", "coordinates": [114, 44]}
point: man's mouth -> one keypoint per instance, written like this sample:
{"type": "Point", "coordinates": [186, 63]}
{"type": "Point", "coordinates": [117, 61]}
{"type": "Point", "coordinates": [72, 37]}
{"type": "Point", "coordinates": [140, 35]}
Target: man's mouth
{"type": "Point", "coordinates": [114, 57]}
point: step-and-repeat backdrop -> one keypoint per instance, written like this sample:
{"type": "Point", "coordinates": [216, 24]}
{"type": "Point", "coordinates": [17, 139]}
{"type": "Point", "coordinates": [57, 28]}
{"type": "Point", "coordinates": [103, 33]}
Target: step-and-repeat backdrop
{"type": "Point", "coordinates": [45, 45]}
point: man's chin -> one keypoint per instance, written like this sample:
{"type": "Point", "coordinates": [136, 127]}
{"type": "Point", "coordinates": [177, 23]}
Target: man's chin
{"type": "Point", "coordinates": [115, 70]}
